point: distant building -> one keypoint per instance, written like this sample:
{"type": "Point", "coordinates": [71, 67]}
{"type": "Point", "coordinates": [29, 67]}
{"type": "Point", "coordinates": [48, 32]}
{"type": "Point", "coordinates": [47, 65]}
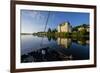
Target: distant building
{"type": "Point", "coordinates": [65, 27]}
{"type": "Point", "coordinates": [88, 29]}
{"type": "Point", "coordinates": [82, 28]}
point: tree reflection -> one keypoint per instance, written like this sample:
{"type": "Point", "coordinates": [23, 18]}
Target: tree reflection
{"type": "Point", "coordinates": [52, 37]}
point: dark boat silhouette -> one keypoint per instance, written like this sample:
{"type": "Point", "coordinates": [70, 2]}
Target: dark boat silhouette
{"type": "Point", "coordinates": [46, 54]}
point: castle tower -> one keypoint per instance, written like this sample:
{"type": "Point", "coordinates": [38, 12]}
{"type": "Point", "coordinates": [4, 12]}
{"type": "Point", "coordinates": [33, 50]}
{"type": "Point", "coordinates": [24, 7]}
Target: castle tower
{"type": "Point", "coordinates": [64, 27]}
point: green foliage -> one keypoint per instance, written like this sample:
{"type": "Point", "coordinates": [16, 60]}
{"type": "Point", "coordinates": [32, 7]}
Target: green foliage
{"type": "Point", "coordinates": [76, 27]}
{"type": "Point", "coordinates": [83, 32]}
{"type": "Point", "coordinates": [54, 30]}
{"type": "Point", "coordinates": [52, 33]}
{"type": "Point", "coordinates": [49, 30]}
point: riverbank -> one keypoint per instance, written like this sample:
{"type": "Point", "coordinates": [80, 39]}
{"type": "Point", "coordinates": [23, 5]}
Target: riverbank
{"type": "Point", "coordinates": [63, 34]}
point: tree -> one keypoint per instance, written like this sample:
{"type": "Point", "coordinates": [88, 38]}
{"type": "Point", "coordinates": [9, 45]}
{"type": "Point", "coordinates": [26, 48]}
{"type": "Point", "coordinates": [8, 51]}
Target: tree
{"type": "Point", "coordinates": [83, 32]}
{"type": "Point", "coordinates": [75, 29]}
{"type": "Point", "coordinates": [84, 25]}
{"type": "Point", "coordinates": [54, 30]}
{"type": "Point", "coordinates": [49, 30]}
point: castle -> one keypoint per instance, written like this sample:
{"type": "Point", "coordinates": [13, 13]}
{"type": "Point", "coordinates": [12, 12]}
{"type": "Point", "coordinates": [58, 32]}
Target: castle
{"type": "Point", "coordinates": [65, 27]}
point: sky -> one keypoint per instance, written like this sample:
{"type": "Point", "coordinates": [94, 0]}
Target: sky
{"type": "Point", "coordinates": [33, 21]}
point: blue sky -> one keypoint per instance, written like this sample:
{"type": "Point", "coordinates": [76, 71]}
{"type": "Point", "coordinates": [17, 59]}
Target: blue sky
{"type": "Point", "coordinates": [35, 21]}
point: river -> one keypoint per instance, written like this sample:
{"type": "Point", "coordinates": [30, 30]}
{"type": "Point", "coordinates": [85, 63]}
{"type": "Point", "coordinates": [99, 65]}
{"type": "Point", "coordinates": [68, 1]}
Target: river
{"type": "Point", "coordinates": [44, 49]}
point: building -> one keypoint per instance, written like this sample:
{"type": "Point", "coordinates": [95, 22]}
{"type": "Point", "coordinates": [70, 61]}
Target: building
{"type": "Point", "coordinates": [65, 27]}
{"type": "Point", "coordinates": [88, 29]}
{"type": "Point", "coordinates": [82, 28]}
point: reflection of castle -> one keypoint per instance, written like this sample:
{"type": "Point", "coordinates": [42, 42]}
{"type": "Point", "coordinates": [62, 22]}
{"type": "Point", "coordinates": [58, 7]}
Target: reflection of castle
{"type": "Point", "coordinates": [65, 27]}
{"type": "Point", "coordinates": [64, 42]}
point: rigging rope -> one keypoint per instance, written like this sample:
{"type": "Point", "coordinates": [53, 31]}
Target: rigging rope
{"type": "Point", "coordinates": [45, 27]}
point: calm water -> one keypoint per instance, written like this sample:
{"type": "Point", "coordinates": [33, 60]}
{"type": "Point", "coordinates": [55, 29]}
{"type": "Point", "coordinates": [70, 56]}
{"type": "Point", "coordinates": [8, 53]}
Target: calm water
{"type": "Point", "coordinates": [38, 49]}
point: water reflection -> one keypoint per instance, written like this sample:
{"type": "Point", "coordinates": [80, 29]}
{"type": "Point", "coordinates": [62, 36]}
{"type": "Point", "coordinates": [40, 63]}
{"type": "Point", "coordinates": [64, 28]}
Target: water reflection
{"type": "Point", "coordinates": [64, 42]}
{"type": "Point", "coordinates": [54, 49]}
{"type": "Point", "coordinates": [82, 41]}
{"type": "Point", "coordinates": [51, 38]}
{"type": "Point", "coordinates": [45, 54]}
